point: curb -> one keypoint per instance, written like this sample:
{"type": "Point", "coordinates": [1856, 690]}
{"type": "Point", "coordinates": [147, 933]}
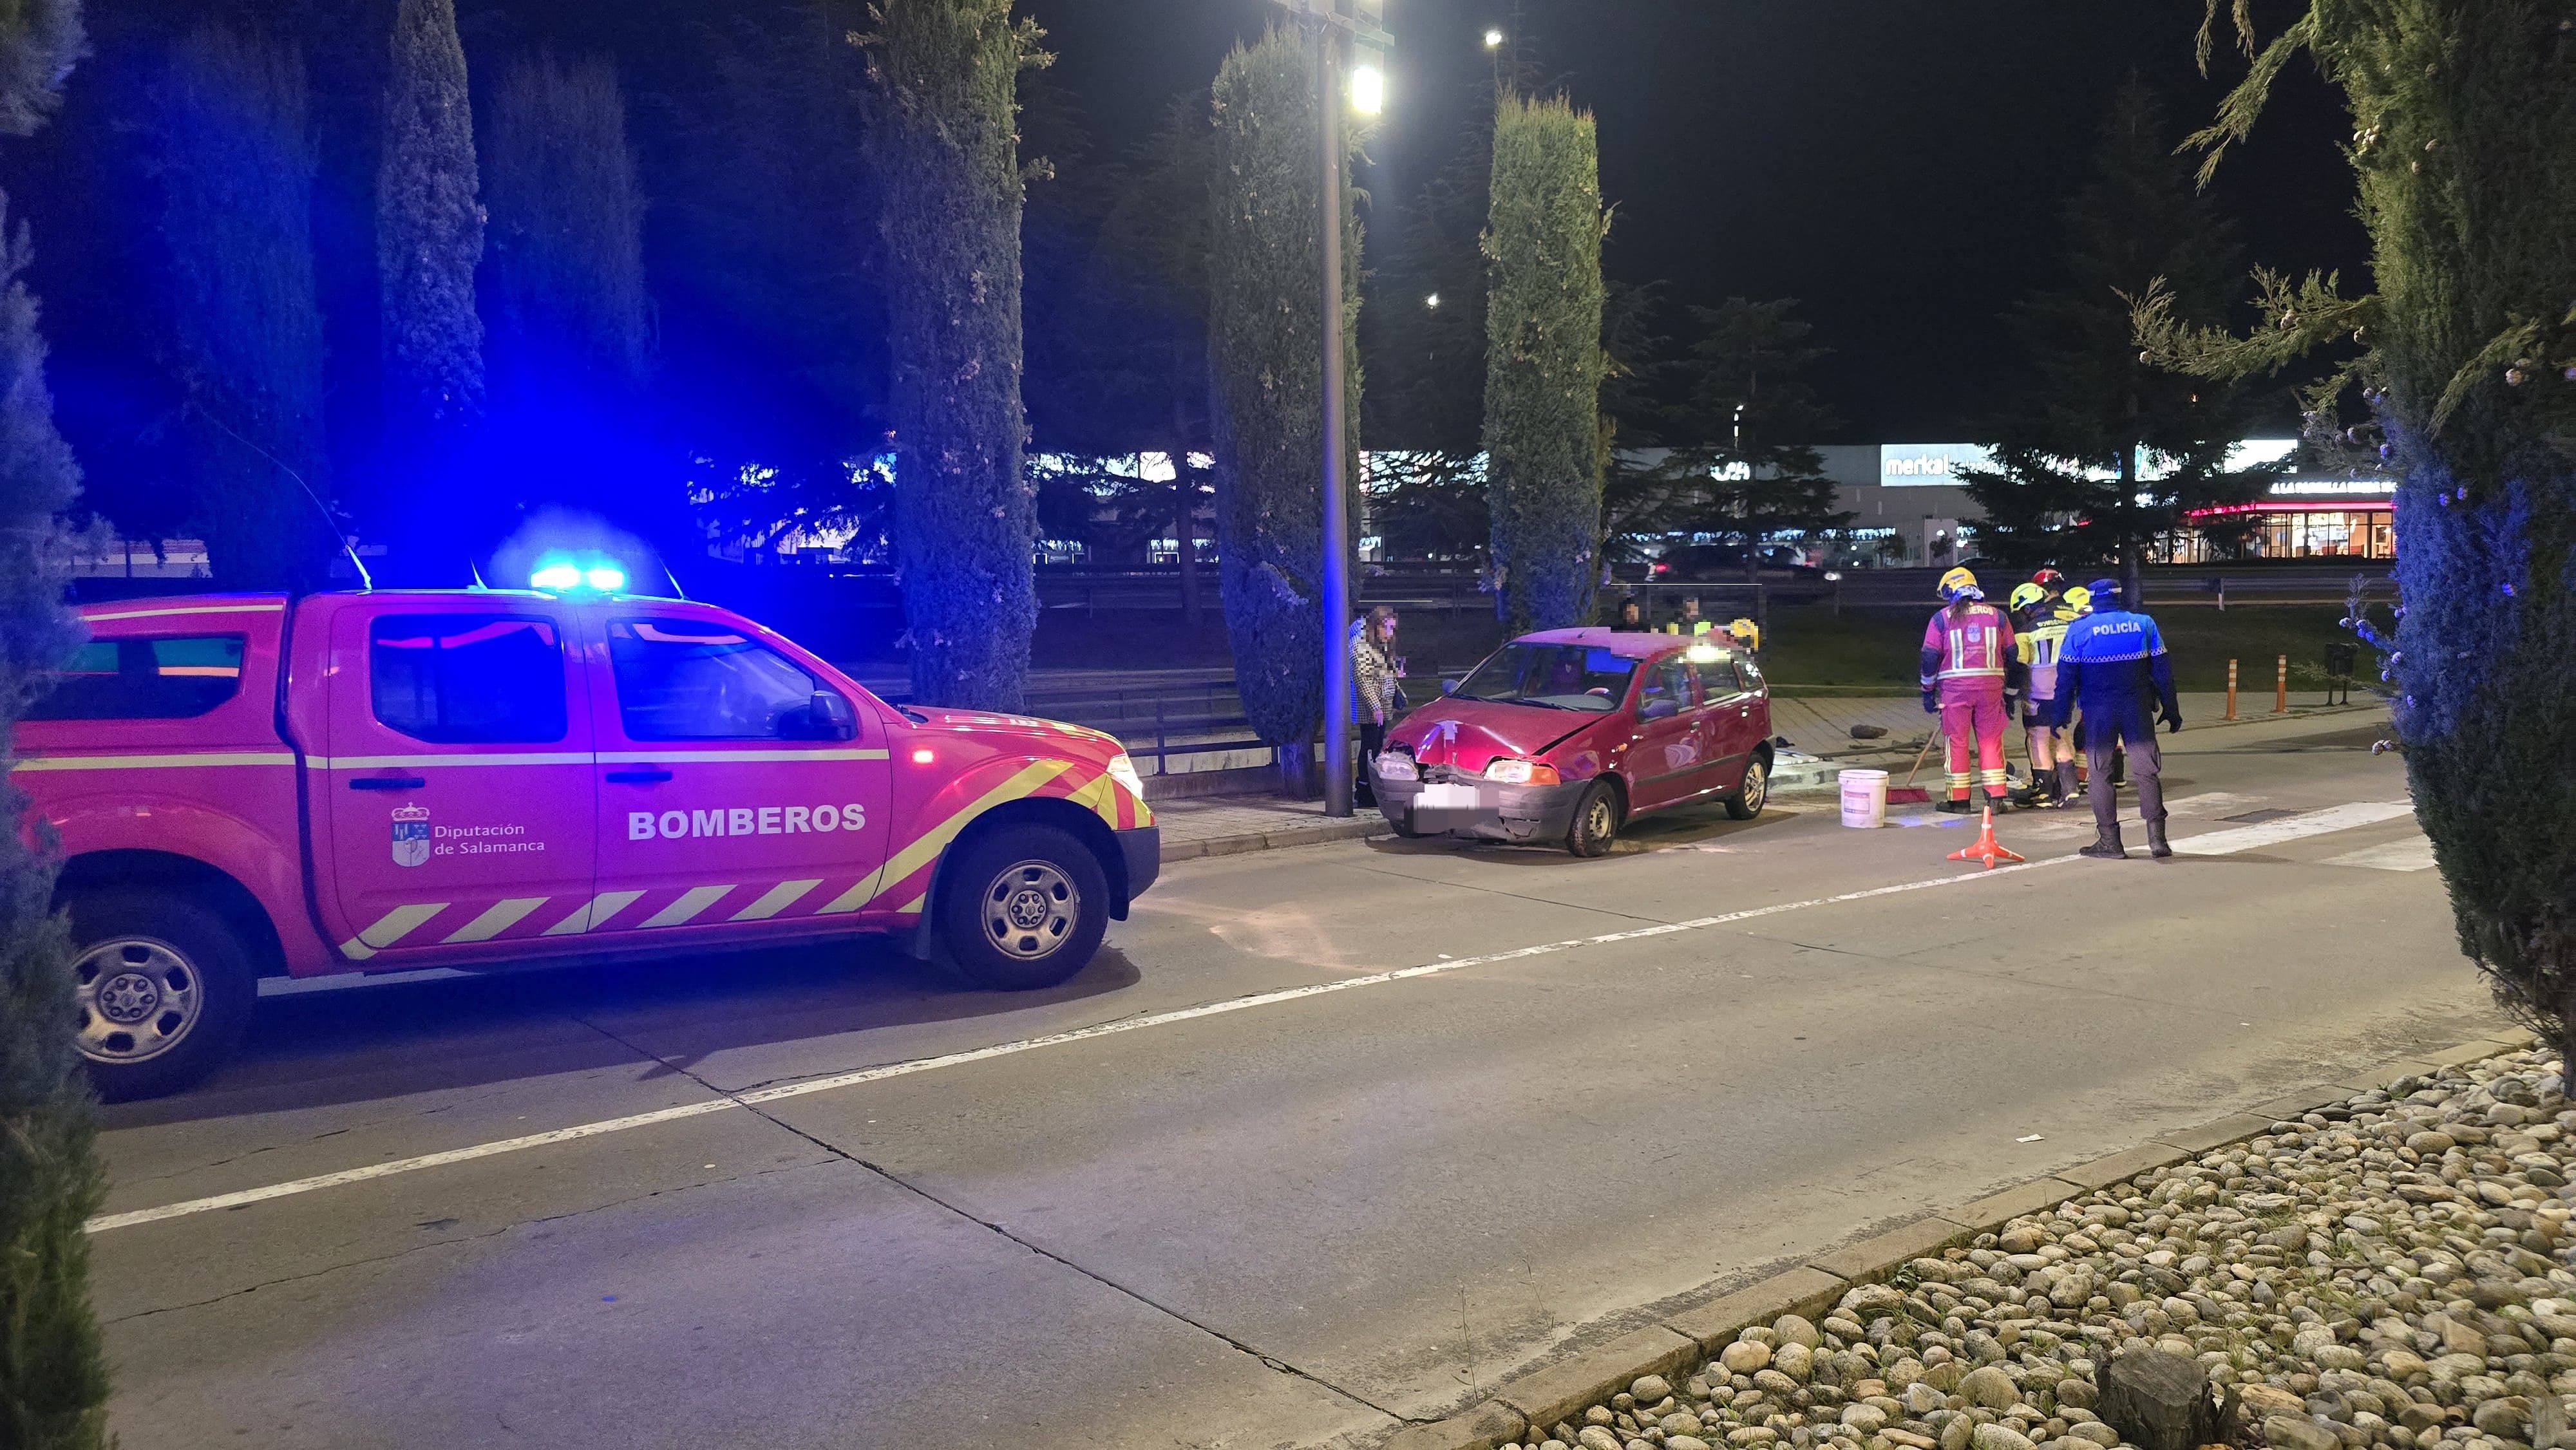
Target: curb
{"type": "Point", "coordinates": [1268, 840]}
{"type": "Point", "coordinates": [1551, 1393]}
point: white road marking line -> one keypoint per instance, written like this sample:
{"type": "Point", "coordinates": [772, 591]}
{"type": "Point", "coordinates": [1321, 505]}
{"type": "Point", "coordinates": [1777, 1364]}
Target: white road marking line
{"type": "Point", "coordinates": [2315, 823]}
{"type": "Point", "coordinates": [2415, 853]}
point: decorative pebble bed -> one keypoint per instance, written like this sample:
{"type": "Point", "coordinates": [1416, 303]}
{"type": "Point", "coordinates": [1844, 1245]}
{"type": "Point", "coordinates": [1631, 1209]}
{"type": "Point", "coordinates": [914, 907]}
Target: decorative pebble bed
{"type": "Point", "coordinates": [2393, 1271]}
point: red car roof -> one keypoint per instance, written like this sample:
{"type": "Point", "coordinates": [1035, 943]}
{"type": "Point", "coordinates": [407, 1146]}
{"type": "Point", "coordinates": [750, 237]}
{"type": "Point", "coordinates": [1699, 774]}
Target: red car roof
{"type": "Point", "coordinates": [1626, 643]}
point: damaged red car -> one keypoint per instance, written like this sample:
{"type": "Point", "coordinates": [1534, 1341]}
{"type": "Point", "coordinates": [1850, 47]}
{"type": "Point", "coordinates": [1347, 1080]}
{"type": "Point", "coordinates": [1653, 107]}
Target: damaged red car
{"type": "Point", "coordinates": [1566, 735]}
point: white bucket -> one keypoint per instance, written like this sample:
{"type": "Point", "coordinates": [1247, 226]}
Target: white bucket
{"type": "Point", "coordinates": [1864, 799]}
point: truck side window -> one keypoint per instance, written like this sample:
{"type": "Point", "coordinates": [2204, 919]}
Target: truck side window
{"type": "Point", "coordinates": [172, 677]}
{"type": "Point", "coordinates": [686, 679]}
{"type": "Point", "coordinates": [463, 679]}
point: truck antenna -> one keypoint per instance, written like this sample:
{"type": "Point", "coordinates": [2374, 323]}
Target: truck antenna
{"type": "Point", "coordinates": [365, 580]}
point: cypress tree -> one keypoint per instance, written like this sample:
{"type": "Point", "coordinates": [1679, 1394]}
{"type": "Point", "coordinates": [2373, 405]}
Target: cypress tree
{"type": "Point", "coordinates": [53, 1373]}
{"type": "Point", "coordinates": [564, 284]}
{"type": "Point", "coordinates": [1265, 359]}
{"type": "Point", "coordinates": [944, 138]}
{"type": "Point", "coordinates": [2462, 110]}
{"type": "Point", "coordinates": [237, 196]}
{"type": "Point", "coordinates": [429, 239]}
{"type": "Point", "coordinates": [1543, 364]}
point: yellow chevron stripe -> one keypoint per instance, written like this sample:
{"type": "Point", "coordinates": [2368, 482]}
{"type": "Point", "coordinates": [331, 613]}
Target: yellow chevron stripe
{"type": "Point", "coordinates": [926, 848]}
{"type": "Point", "coordinates": [496, 919]}
{"type": "Point", "coordinates": [775, 900]}
{"type": "Point", "coordinates": [392, 927]}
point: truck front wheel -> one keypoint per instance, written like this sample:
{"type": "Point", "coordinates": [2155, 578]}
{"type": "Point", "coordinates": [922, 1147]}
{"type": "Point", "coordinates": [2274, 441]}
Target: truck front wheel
{"type": "Point", "coordinates": [162, 988]}
{"type": "Point", "coordinates": [1023, 907]}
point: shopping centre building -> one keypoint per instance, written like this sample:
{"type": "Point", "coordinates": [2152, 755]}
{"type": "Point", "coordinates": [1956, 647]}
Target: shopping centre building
{"type": "Point", "coordinates": [1909, 507]}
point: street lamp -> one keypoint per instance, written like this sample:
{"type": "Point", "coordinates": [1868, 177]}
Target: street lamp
{"type": "Point", "coordinates": [1431, 301]}
{"type": "Point", "coordinates": [1327, 22]}
{"type": "Point", "coordinates": [1494, 39]}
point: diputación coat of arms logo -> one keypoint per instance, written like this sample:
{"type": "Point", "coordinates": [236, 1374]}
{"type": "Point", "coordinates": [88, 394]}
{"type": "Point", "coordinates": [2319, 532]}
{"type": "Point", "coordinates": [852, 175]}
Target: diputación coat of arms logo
{"type": "Point", "coordinates": [411, 836]}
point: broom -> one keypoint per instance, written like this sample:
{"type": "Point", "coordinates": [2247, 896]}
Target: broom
{"type": "Point", "coordinates": [1910, 794]}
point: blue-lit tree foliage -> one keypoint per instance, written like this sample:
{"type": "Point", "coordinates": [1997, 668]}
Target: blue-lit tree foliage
{"type": "Point", "coordinates": [1265, 357]}
{"type": "Point", "coordinates": [53, 1375]}
{"type": "Point", "coordinates": [2466, 356]}
{"type": "Point", "coordinates": [944, 136]}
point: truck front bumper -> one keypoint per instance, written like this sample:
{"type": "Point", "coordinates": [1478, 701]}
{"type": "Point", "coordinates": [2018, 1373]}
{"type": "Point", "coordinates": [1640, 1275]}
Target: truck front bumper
{"type": "Point", "coordinates": [1142, 851]}
{"type": "Point", "coordinates": [1481, 810]}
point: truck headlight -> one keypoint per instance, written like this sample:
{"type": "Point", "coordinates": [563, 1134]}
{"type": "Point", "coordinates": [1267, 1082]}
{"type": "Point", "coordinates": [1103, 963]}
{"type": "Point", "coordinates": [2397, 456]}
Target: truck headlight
{"type": "Point", "coordinates": [1393, 765]}
{"type": "Point", "coordinates": [1507, 771]}
{"type": "Point", "coordinates": [1123, 771]}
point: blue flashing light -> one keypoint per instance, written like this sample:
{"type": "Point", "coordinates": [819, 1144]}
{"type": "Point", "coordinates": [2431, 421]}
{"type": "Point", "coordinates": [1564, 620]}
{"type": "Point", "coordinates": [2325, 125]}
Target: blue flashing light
{"type": "Point", "coordinates": [557, 574]}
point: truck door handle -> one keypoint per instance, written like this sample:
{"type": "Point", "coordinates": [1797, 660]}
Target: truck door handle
{"type": "Point", "coordinates": [638, 777]}
{"type": "Point", "coordinates": [387, 782]}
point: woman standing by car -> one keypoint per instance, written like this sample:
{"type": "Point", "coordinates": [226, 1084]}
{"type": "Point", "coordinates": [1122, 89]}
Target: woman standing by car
{"type": "Point", "coordinates": [1376, 686]}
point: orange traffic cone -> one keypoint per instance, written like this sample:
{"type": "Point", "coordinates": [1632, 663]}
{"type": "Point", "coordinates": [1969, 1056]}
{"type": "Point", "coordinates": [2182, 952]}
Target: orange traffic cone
{"type": "Point", "coordinates": [1987, 848]}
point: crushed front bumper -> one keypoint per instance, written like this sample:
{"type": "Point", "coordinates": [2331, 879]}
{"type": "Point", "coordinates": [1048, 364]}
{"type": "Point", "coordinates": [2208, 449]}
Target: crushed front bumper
{"type": "Point", "coordinates": [1481, 810]}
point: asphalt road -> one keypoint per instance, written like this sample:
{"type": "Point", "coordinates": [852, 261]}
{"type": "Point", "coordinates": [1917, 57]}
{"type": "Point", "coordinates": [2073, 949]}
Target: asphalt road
{"type": "Point", "coordinates": [1351, 1192]}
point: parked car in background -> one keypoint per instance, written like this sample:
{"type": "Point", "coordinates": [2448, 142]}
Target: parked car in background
{"type": "Point", "coordinates": [1568, 734]}
{"type": "Point", "coordinates": [1782, 568]}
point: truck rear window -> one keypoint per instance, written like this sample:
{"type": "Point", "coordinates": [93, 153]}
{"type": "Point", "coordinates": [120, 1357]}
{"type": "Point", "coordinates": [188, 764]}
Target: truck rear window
{"type": "Point", "coordinates": [171, 677]}
{"type": "Point", "coordinates": [468, 678]}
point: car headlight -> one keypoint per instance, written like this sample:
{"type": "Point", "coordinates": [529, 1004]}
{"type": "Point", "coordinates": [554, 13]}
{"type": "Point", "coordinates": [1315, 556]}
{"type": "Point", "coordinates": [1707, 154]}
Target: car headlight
{"type": "Point", "coordinates": [1123, 771]}
{"type": "Point", "coordinates": [1394, 765]}
{"type": "Point", "coordinates": [1507, 771]}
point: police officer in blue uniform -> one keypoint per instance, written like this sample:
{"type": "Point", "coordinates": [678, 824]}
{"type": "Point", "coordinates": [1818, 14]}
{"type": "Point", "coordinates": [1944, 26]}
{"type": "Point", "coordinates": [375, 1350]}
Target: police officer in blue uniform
{"type": "Point", "coordinates": [2113, 664]}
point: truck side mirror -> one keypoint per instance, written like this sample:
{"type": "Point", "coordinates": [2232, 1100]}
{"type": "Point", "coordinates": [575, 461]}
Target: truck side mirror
{"type": "Point", "coordinates": [828, 717]}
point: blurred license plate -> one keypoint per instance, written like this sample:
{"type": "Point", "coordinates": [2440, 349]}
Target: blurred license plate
{"type": "Point", "coordinates": [1447, 796]}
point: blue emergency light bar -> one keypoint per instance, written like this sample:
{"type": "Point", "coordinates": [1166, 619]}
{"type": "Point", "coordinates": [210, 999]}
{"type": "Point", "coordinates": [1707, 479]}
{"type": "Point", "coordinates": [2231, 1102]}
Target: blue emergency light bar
{"type": "Point", "coordinates": [558, 575]}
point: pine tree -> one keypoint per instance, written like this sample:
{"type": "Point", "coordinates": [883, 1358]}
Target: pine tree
{"type": "Point", "coordinates": [2461, 113]}
{"type": "Point", "coordinates": [237, 195]}
{"type": "Point", "coordinates": [1543, 364]}
{"type": "Point", "coordinates": [564, 283]}
{"type": "Point", "coordinates": [945, 141]}
{"type": "Point", "coordinates": [2071, 447]}
{"type": "Point", "coordinates": [53, 1371]}
{"type": "Point", "coordinates": [429, 240]}
{"type": "Point", "coordinates": [1265, 353]}
{"type": "Point", "coordinates": [1751, 469]}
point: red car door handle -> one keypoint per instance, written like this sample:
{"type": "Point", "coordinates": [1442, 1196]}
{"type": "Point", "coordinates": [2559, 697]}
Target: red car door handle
{"type": "Point", "coordinates": [638, 777]}
{"type": "Point", "coordinates": [387, 782]}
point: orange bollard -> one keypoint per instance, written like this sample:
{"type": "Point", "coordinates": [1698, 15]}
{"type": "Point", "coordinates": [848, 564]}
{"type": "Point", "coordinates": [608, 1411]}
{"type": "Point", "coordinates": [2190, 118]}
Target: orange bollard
{"type": "Point", "coordinates": [2281, 688]}
{"type": "Point", "coordinates": [1986, 848]}
{"type": "Point", "coordinates": [2231, 689]}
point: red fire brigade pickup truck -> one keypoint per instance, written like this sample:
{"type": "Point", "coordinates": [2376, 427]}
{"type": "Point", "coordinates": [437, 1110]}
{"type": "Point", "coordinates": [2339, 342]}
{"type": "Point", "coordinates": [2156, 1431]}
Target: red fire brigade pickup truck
{"type": "Point", "coordinates": [254, 785]}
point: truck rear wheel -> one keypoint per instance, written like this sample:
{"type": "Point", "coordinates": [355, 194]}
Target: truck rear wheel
{"type": "Point", "coordinates": [1023, 907]}
{"type": "Point", "coordinates": [163, 991]}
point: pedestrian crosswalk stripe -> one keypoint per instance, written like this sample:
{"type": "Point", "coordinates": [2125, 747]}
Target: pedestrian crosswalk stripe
{"type": "Point", "coordinates": [2415, 853]}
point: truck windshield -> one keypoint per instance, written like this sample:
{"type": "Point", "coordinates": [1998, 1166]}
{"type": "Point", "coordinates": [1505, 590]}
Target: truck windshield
{"type": "Point", "coordinates": [1559, 676]}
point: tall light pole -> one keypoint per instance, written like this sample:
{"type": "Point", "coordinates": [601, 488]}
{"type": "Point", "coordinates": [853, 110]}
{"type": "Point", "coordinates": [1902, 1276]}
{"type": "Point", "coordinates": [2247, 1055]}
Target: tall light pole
{"type": "Point", "coordinates": [1326, 23]}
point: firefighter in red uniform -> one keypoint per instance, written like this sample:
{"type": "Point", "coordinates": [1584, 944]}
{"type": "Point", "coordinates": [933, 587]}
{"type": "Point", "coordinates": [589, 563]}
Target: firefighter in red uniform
{"type": "Point", "coordinates": [1969, 665]}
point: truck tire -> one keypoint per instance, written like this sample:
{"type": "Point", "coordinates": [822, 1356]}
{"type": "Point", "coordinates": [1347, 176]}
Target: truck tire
{"type": "Point", "coordinates": [1596, 819]}
{"type": "Point", "coordinates": [164, 990]}
{"type": "Point", "coordinates": [1023, 907]}
{"type": "Point", "coordinates": [1746, 801]}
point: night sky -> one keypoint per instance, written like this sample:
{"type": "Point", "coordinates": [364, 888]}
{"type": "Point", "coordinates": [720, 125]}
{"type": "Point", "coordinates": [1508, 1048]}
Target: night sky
{"type": "Point", "coordinates": [1896, 165]}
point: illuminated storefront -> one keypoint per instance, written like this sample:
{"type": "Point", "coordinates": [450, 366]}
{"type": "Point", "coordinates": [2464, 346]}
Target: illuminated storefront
{"type": "Point", "coordinates": [2297, 518]}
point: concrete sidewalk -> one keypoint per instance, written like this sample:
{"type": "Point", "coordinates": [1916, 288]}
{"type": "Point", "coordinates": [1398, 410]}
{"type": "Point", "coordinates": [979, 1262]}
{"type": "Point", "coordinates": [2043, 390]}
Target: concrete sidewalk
{"type": "Point", "coordinates": [1819, 729]}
